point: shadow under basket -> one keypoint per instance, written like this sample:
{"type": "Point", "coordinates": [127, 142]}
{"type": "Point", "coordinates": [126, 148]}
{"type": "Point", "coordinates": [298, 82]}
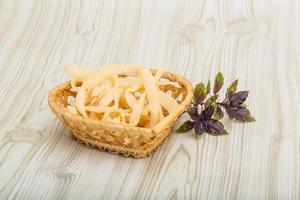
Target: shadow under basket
{"type": "Point", "coordinates": [122, 139]}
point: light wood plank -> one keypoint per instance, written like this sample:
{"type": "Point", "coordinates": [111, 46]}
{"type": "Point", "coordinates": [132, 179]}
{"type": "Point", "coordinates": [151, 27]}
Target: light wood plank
{"type": "Point", "coordinates": [254, 40]}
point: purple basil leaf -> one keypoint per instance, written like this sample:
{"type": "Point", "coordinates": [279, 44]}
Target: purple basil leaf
{"type": "Point", "coordinates": [231, 111]}
{"type": "Point", "coordinates": [218, 113]}
{"type": "Point", "coordinates": [200, 93]}
{"type": "Point", "coordinates": [233, 87]}
{"type": "Point", "coordinates": [244, 115]}
{"type": "Point", "coordinates": [186, 126]}
{"type": "Point", "coordinates": [219, 81]}
{"type": "Point", "coordinates": [199, 127]}
{"type": "Point", "coordinates": [229, 95]}
{"type": "Point", "coordinates": [238, 98]}
{"type": "Point", "coordinates": [244, 105]}
{"type": "Point", "coordinates": [207, 113]}
{"type": "Point", "coordinates": [208, 87]}
{"type": "Point", "coordinates": [214, 127]}
{"type": "Point", "coordinates": [239, 113]}
{"type": "Point", "coordinates": [193, 112]}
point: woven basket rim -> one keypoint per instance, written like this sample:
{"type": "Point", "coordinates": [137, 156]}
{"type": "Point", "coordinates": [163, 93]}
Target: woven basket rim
{"type": "Point", "coordinates": [158, 128]}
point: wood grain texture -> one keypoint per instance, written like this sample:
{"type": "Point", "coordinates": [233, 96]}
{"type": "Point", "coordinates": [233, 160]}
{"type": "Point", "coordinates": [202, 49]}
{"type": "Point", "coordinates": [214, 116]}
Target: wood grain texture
{"type": "Point", "coordinates": [255, 40]}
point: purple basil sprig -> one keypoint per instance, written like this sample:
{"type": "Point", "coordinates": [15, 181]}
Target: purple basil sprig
{"type": "Point", "coordinates": [206, 112]}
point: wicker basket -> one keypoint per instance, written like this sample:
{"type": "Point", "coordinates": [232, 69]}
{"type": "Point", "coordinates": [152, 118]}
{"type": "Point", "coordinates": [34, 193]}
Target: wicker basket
{"type": "Point", "coordinates": [127, 140]}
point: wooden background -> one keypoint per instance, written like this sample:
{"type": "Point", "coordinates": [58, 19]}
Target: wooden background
{"type": "Point", "coordinates": [257, 41]}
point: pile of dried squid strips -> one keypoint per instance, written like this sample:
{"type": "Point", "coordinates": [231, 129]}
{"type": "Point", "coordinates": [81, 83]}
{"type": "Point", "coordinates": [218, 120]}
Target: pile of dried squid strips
{"type": "Point", "coordinates": [121, 94]}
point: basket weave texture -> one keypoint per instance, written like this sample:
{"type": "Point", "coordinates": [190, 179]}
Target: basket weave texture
{"type": "Point", "coordinates": [118, 138]}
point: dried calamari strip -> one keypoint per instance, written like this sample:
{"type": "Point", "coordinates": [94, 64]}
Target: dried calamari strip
{"type": "Point", "coordinates": [152, 96]}
{"type": "Point", "coordinates": [120, 94]}
{"type": "Point", "coordinates": [137, 111]}
{"type": "Point", "coordinates": [167, 102]}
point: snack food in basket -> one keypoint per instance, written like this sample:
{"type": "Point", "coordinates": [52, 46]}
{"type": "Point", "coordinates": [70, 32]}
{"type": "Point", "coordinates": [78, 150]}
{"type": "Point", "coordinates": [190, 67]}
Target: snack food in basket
{"type": "Point", "coordinates": [121, 108]}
